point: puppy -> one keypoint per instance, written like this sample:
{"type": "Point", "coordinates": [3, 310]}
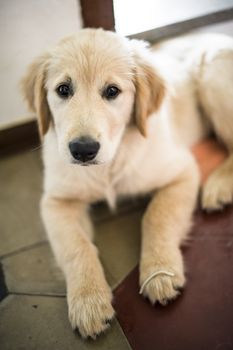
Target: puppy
{"type": "Point", "coordinates": [117, 118]}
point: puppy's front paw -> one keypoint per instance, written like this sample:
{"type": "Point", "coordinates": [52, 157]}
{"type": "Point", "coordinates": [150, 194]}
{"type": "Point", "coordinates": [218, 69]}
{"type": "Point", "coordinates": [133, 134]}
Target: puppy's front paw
{"type": "Point", "coordinates": [90, 311]}
{"type": "Point", "coordinates": [163, 288]}
{"type": "Point", "coordinates": [165, 285]}
{"type": "Point", "coordinates": [218, 191]}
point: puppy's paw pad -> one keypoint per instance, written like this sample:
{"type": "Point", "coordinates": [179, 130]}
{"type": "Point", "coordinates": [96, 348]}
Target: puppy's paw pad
{"type": "Point", "coordinates": [92, 314]}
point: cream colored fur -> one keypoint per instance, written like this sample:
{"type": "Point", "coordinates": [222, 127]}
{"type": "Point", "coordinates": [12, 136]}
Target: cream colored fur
{"type": "Point", "coordinates": [145, 135]}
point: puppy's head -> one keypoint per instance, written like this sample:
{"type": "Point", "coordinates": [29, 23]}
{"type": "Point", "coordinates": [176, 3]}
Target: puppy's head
{"type": "Point", "coordinates": [90, 88]}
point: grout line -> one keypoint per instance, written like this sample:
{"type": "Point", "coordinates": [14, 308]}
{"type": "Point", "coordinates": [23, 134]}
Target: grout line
{"type": "Point", "coordinates": [22, 249]}
{"type": "Point", "coordinates": [121, 280]}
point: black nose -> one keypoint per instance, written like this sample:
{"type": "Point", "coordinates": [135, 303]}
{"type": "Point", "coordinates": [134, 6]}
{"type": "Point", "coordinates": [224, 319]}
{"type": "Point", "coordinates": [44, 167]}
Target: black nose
{"type": "Point", "coordinates": [84, 148]}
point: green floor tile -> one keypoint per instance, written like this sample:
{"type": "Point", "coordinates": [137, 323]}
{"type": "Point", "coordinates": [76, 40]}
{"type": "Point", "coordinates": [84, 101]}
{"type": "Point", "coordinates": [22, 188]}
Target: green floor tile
{"type": "Point", "coordinates": [118, 241]}
{"type": "Point", "coordinates": [34, 271]}
{"type": "Point", "coordinates": [36, 323]}
{"type": "Point", "coordinates": [20, 188]}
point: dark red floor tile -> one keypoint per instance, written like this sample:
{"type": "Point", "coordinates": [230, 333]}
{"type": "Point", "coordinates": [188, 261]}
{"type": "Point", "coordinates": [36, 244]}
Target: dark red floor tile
{"type": "Point", "coordinates": [202, 317]}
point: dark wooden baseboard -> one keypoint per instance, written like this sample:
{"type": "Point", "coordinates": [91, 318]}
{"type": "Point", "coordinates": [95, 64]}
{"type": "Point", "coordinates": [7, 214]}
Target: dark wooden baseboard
{"type": "Point", "coordinates": [19, 137]}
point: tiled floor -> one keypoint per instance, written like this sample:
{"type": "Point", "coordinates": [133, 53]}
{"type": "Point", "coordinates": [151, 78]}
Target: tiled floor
{"type": "Point", "coordinates": [33, 310]}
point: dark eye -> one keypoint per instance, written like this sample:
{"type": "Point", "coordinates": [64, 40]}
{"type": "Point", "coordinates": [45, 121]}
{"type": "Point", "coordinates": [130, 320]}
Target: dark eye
{"type": "Point", "coordinates": [111, 92]}
{"type": "Point", "coordinates": [64, 90]}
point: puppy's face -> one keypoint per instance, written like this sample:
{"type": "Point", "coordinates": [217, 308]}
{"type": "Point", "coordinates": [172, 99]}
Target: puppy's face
{"type": "Point", "coordinates": [90, 94]}
{"type": "Point", "coordinates": [89, 88]}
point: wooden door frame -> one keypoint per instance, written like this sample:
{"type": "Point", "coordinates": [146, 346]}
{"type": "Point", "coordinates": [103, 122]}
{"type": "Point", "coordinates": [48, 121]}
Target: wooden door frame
{"type": "Point", "coordinates": [98, 13]}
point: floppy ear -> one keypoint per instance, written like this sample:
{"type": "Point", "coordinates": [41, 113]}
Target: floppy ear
{"type": "Point", "coordinates": [150, 91]}
{"type": "Point", "coordinates": [34, 92]}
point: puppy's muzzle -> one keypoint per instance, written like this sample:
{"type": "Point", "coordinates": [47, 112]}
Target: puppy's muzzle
{"type": "Point", "coordinates": [84, 149]}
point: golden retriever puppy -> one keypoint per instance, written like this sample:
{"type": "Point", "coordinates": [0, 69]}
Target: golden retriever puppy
{"type": "Point", "coordinates": [117, 118]}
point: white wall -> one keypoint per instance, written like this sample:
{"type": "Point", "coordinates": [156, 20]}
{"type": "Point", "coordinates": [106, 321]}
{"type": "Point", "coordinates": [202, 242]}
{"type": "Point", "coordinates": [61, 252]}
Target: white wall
{"type": "Point", "coordinates": [27, 28]}
{"type": "Point", "coordinates": [148, 14]}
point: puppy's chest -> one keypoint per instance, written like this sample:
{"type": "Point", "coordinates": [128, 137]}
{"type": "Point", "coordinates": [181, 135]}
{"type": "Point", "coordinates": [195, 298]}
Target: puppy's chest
{"type": "Point", "coordinates": [140, 167]}
{"type": "Point", "coordinates": [132, 176]}
{"type": "Point", "coordinates": [98, 183]}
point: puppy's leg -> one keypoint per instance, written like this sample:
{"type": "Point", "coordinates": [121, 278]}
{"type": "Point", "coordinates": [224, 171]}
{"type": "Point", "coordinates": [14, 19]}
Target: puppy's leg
{"type": "Point", "coordinates": [89, 296]}
{"type": "Point", "coordinates": [218, 189]}
{"type": "Point", "coordinates": [165, 224]}
{"type": "Point", "coordinates": [215, 89]}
